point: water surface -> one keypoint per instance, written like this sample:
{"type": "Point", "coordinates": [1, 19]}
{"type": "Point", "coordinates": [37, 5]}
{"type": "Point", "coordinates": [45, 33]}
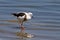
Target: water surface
{"type": "Point", "coordinates": [45, 25]}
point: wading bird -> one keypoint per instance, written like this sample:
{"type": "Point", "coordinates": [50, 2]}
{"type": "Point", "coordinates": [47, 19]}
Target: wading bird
{"type": "Point", "coordinates": [22, 17]}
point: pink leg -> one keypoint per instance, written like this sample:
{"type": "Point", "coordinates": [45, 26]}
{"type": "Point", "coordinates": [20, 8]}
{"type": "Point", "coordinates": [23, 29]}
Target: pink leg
{"type": "Point", "coordinates": [22, 28]}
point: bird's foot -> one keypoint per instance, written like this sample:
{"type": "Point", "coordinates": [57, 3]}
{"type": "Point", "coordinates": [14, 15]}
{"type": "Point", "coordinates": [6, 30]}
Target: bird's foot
{"type": "Point", "coordinates": [22, 28]}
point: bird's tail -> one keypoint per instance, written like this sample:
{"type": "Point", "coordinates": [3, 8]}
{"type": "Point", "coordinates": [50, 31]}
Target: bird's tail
{"type": "Point", "coordinates": [14, 14]}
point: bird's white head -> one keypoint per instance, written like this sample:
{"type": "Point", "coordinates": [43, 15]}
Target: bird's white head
{"type": "Point", "coordinates": [30, 14]}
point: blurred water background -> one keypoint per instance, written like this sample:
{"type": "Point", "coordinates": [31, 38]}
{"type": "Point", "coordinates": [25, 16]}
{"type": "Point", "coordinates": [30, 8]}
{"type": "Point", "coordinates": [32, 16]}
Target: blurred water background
{"type": "Point", "coordinates": [45, 24]}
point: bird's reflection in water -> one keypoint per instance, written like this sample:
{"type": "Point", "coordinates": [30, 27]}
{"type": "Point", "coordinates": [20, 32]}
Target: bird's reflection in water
{"type": "Point", "coordinates": [23, 35]}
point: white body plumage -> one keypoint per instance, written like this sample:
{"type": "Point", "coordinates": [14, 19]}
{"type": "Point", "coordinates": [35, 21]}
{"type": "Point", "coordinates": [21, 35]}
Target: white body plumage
{"type": "Point", "coordinates": [23, 16]}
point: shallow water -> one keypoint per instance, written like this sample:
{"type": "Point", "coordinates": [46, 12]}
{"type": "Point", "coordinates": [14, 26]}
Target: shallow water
{"type": "Point", "coordinates": [45, 25]}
